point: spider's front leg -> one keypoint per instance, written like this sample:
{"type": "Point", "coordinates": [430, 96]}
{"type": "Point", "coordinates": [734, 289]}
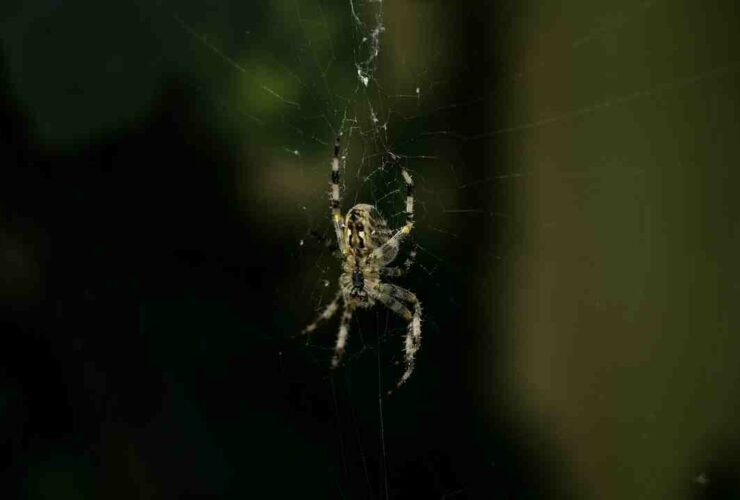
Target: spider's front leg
{"type": "Point", "coordinates": [336, 213]}
{"type": "Point", "coordinates": [388, 251]}
{"type": "Point", "coordinates": [410, 200]}
{"type": "Point", "coordinates": [385, 253]}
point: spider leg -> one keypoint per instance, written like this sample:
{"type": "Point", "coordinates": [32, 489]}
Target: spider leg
{"type": "Point", "coordinates": [409, 218]}
{"type": "Point", "coordinates": [392, 272]}
{"type": "Point", "coordinates": [388, 251]}
{"type": "Point", "coordinates": [399, 292]}
{"type": "Point", "coordinates": [336, 214]}
{"type": "Point", "coordinates": [410, 260]}
{"type": "Point", "coordinates": [326, 314]}
{"type": "Point", "coordinates": [342, 337]}
{"type": "Point", "coordinates": [413, 333]}
{"type": "Point", "coordinates": [409, 195]}
{"type": "Point", "coordinates": [397, 272]}
{"type": "Point", "coordinates": [391, 296]}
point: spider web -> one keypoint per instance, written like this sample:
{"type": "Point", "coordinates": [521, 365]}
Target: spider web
{"type": "Point", "coordinates": [496, 132]}
{"type": "Point", "coordinates": [386, 78]}
{"type": "Point", "coordinates": [317, 87]}
{"type": "Point", "coordinates": [325, 72]}
{"type": "Point", "coordinates": [343, 69]}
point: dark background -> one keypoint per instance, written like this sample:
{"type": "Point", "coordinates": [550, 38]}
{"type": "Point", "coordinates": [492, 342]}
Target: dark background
{"type": "Point", "coordinates": [580, 326]}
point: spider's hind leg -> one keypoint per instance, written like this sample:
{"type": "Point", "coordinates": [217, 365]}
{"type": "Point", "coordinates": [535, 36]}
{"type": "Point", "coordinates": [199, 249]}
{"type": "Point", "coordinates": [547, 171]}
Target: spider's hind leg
{"type": "Point", "coordinates": [342, 336]}
{"type": "Point", "coordinates": [326, 314]}
{"type": "Point", "coordinates": [391, 296]}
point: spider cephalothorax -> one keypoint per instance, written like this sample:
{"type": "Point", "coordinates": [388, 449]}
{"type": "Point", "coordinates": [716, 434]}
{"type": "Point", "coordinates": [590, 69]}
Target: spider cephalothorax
{"type": "Point", "coordinates": [364, 229]}
{"type": "Point", "coordinates": [367, 248]}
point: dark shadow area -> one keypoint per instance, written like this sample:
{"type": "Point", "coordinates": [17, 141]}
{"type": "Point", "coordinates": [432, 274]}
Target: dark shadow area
{"type": "Point", "coordinates": [717, 477]}
{"type": "Point", "coordinates": [146, 367]}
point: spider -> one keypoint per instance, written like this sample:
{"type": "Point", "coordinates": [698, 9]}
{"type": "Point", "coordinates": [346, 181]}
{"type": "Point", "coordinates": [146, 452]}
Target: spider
{"type": "Point", "coordinates": [367, 247]}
